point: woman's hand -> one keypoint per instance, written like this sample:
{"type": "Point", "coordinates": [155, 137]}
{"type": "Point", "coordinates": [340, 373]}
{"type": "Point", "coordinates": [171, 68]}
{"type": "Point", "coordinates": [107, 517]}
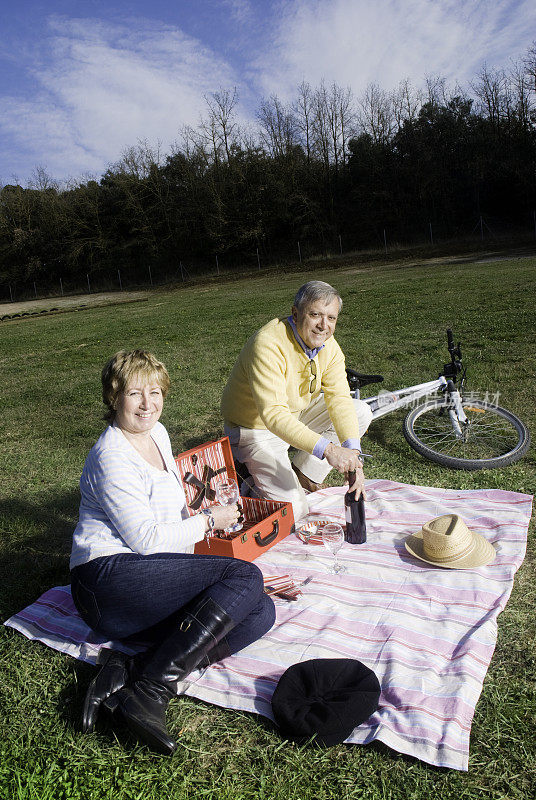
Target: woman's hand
{"type": "Point", "coordinates": [224, 516]}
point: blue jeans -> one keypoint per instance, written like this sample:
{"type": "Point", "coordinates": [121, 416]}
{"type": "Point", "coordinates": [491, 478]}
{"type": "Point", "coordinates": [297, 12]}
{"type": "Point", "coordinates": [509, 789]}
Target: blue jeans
{"type": "Point", "coordinates": [139, 596]}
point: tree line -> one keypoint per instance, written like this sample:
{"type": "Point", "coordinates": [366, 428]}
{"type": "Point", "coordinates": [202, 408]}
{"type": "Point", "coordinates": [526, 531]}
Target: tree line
{"type": "Point", "coordinates": [409, 160]}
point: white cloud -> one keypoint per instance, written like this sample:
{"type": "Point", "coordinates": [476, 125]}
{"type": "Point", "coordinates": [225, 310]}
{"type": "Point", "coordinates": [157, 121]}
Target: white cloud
{"type": "Point", "coordinates": [99, 88]}
{"type": "Point", "coordinates": [45, 136]}
{"type": "Point", "coordinates": [356, 42]}
{"type": "Point", "coordinates": [102, 88]}
{"type": "Point", "coordinates": [241, 11]}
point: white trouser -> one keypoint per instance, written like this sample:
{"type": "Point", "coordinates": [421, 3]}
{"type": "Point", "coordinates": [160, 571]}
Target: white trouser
{"type": "Point", "coordinates": [266, 455]}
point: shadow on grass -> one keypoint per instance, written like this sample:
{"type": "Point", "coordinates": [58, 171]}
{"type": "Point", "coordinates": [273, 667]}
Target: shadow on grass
{"type": "Point", "coordinates": [35, 548]}
{"type": "Point", "coordinates": [379, 435]}
{"type": "Point", "coordinates": [69, 704]}
{"type": "Point", "coordinates": [108, 730]}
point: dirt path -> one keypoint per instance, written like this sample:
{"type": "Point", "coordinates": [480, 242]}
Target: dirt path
{"type": "Point", "coordinates": [48, 304]}
{"type": "Point", "coordinates": [56, 304]}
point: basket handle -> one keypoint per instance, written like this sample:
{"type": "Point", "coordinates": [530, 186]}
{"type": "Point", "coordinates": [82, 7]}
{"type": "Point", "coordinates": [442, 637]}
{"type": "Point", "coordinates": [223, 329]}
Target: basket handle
{"type": "Point", "coordinates": [269, 538]}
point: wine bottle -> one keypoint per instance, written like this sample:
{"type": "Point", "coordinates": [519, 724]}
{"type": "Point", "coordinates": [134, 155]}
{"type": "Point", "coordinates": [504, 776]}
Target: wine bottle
{"type": "Point", "coordinates": [354, 508]}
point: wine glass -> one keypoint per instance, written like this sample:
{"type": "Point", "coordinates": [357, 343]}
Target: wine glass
{"type": "Point", "coordinates": [227, 493]}
{"type": "Point", "coordinates": [333, 540]}
{"type": "Point", "coordinates": [306, 532]}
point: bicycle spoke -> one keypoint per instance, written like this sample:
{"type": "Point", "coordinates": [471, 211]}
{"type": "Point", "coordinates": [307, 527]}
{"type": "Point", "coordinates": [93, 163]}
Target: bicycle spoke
{"type": "Point", "coordinates": [436, 437]}
{"type": "Point", "coordinates": [484, 436]}
{"type": "Point", "coordinates": [491, 436]}
{"type": "Point", "coordinates": [447, 450]}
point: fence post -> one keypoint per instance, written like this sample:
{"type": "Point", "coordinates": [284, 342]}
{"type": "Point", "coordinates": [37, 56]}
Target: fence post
{"type": "Point", "coordinates": [10, 293]}
{"type": "Point", "coordinates": [385, 239]}
{"type": "Point", "coordinates": [120, 283]}
{"type": "Point", "coordinates": [258, 259]}
{"type": "Point", "coordinates": [182, 271]}
{"type": "Point", "coordinates": [299, 252]}
{"type": "Point", "coordinates": [431, 234]}
{"type": "Point", "coordinates": [340, 243]}
{"type": "Point", "coordinates": [35, 290]}
{"type": "Point", "coordinates": [150, 274]}
{"type": "Point", "coordinates": [61, 287]}
{"type": "Point", "coordinates": [217, 264]}
{"type": "Point", "coordinates": [481, 228]}
{"type": "Point", "coordinates": [88, 283]}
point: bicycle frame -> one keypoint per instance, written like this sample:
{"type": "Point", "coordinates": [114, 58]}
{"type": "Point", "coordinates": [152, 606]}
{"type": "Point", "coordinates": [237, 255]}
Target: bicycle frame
{"type": "Point", "coordinates": [388, 402]}
{"type": "Point", "coordinates": [440, 425]}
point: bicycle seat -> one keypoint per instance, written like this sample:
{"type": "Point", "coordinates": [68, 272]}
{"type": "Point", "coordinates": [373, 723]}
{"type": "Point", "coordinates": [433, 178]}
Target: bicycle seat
{"type": "Point", "coordinates": [359, 379]}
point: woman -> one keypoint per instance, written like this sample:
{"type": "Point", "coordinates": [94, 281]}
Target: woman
{"type": "Point", "coordinates": [133, 571]}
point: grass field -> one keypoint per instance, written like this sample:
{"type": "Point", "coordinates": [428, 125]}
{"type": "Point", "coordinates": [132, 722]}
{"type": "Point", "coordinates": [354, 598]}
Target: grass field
{"type": "Point", "coordinates": [394, 321]}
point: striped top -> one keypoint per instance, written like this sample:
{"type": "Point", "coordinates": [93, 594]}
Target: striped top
{"type": "Point", "coordinates": [128, 506]}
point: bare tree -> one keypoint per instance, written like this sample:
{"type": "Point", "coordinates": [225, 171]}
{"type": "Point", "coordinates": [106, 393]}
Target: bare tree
{"type": "Point", "coordinates": [221, 127]}
{"type": "Point", "coordinates": [436, 90]}
{"type": "Point", "coordinates": [139, 160]}
{"type": "Point", "coordinates": [321, 132]}
{"type": "Point", "coordinates": [376, 114]}
{"type": "Point", "coordinates": [492, 91]}
{"type": "Point", "coordinates": [520, 94]}
{"type": "Point", "coordinates": [278, 126]}
{"type": "Point", "coordinates": [42, 181]}
{"type": "Point", "coordinates": [209, 138]}
{"type": "Point", "coordinates": [529, 63]}
{"type": "Point", "coordinates": [192, 144]}
{"type": "Point", "coordinates": [341, 117]}
{"type": "Point", "coordinates": [304, 111]}
{"type": "Point", "coordinates": [405, 103]}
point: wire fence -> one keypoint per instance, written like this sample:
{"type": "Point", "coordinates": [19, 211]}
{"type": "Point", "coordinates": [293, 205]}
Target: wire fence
{"type": "Point", "coordinates": [485, 232]}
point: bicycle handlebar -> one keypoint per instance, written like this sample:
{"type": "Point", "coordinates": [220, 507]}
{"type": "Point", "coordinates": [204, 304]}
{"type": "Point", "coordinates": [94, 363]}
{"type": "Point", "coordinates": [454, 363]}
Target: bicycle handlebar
{"type": "Point", "coordinates": [455, 366]}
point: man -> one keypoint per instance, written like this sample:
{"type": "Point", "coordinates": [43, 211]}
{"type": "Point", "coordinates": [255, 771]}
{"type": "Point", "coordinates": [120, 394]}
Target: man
{"type": "Point", "coordinates": [273, 400]}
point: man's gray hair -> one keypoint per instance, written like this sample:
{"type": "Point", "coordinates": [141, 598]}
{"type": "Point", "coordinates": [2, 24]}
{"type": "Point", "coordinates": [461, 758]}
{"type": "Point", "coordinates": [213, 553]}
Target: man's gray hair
{"type": "Point", "coordinates": [316, 290]}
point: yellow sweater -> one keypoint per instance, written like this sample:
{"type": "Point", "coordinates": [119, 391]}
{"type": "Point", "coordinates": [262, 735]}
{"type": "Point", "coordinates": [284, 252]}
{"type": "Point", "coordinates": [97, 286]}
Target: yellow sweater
{"type": "Point", "coordinates": [269, 386]}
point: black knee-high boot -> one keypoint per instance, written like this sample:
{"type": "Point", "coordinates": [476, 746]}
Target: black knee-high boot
{"type": "Point", "coordinates": [115, 669]}
{"type": "Point", "coordinates": [112, 676]}
{"type": "Point", "coordinates": [142, 703]}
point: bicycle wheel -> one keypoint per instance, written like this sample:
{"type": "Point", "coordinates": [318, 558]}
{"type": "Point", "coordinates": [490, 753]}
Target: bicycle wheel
{"type": "Point", "coordinates": [492, 437]}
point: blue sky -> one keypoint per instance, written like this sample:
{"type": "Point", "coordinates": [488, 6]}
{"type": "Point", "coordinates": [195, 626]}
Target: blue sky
{"type": "Point", "coordinates": [81, 81]}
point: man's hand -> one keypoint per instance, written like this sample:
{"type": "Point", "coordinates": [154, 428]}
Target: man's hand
{"type": "Point", "coordinates": [342, 458]}
{"type": "Point", "coordinates": [345, 460]}
{"type": "Point", "coordinates": [358, 485]}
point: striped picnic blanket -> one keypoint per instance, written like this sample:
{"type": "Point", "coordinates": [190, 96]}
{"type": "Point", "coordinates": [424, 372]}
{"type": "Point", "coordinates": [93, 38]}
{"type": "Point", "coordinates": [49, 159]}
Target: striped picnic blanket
{"type": "Point", "coordinates": [428, 633]}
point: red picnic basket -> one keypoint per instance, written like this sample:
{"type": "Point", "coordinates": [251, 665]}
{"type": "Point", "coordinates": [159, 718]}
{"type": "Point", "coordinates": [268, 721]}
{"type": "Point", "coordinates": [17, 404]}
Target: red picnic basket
{"type": "Point", "coordinates": [266, 522]}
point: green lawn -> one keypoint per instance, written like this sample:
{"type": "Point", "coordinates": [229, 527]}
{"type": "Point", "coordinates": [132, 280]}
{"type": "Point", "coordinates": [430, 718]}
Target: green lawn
{"type": "Point", "coordinates": [394, 321]}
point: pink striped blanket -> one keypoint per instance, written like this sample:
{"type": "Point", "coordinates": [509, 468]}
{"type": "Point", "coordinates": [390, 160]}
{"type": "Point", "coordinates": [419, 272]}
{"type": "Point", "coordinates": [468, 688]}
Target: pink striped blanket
{"type": "Point", "coordinates": [428, 633]}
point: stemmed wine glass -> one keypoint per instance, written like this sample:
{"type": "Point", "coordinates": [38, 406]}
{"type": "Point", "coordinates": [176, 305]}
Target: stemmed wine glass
{"type": "Point", "coordinates": [228, 493]}
{"type": "Point", "coordinates": [333, 540]}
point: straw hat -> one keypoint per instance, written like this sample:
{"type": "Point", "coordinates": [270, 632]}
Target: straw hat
{"type": "Point", "coordinates": [447, 542]}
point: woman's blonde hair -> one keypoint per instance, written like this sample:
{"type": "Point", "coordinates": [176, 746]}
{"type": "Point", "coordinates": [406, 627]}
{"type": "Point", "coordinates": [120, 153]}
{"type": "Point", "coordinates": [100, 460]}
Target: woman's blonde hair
{"type": "Point", "coordinates": [122, 368]}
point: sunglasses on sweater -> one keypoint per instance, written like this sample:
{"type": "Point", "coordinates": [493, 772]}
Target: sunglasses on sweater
{"type": "Point", "coordinates": [312, 367]}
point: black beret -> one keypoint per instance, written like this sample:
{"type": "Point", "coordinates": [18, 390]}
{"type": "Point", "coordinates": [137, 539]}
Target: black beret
{"type": "Point", "coordinates": [326, 698]}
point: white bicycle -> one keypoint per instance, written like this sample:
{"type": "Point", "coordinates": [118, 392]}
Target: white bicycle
{"type": "Point", "coordinates": [456, 431]}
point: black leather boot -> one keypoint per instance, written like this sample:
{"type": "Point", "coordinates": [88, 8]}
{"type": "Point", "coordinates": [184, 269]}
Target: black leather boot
{"type": "Point", "coordinates": [143, 702]}
{"type": "Point", "coordinates": [112, 676]}
{"type": "Point", "coordinates": [216, 653]}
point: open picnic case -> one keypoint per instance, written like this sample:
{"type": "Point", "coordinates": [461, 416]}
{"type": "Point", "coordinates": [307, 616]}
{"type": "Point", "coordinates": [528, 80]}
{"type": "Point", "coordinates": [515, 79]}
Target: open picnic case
{"type": "Point", "coordinates": [265, 521]}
